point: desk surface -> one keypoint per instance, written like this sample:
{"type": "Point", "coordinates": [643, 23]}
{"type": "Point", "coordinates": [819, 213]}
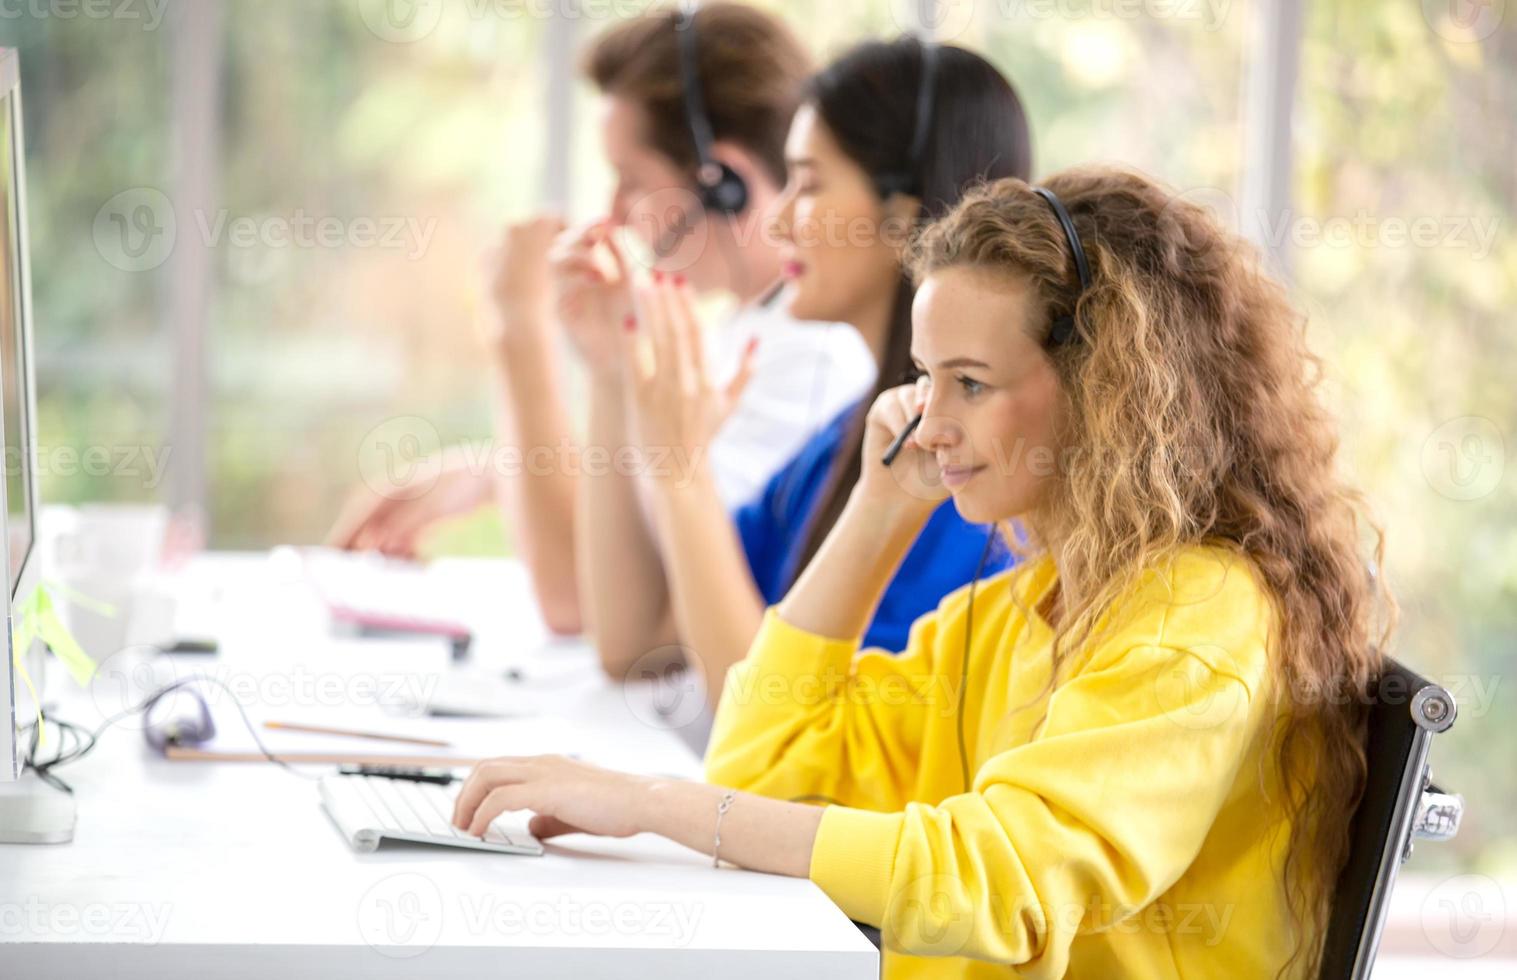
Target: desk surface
{"type": "Point", "coordinates": [197, 869]}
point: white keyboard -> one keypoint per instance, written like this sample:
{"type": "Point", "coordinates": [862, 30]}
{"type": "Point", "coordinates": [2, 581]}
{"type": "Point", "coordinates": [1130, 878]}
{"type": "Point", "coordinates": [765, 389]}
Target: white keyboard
{"type": "Point", "coordinates": [368, 809]}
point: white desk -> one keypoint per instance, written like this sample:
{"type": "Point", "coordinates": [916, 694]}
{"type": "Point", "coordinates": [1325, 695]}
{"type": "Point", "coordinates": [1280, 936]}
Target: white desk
{"type": "Point", "coordinates": [232, 869]}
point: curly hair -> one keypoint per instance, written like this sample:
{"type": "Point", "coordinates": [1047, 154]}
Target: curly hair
{"type": "Point", "coordinates": [1192, 416]}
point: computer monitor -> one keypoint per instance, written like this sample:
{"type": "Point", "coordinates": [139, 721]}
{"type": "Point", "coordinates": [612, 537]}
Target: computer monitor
{"type": "Point", "coordinates": [18, 543]}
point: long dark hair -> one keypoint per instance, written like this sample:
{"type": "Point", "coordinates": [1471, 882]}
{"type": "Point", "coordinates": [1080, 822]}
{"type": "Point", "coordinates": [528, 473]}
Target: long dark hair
{"type": "Point", "coordinates": [868, 100]}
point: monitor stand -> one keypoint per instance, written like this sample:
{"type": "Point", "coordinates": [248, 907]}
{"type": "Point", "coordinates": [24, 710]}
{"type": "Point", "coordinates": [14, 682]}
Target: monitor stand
{"type": "Point", "coordinates": [32, 812]}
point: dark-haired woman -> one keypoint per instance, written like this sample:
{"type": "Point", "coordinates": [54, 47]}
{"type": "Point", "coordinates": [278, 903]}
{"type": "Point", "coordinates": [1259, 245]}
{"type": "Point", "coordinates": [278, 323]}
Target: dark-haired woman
{"type": "Point", "coordinates": [888, 136]}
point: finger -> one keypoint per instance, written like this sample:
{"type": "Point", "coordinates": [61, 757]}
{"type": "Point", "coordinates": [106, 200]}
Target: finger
{"type": "Point", "coordinates": [681, 344]}
{"type": "Point", "coordinates": [397, 548]}
{"type": "Point", "coordinates": [906, 396]}
{"type": "Point", "coordinates": [361, 509]}
{"type": "Point", "coordinates": [578, 267]}
{"type": "Point", "coordinates": [542, 826]}
{"type": "Point", "coordinates": [618, 260]}
{"type": "Point", "coordinates": [572, 242]}
{"type": "Point", "coordinates": [400, 542]}
{"type": "Point", "coordinates": [910, 409]}
{"type": "Point", "coordinates": [513, 796]}
{"type": "Point", "coordinates": [890, 411]}
{"type": "Point", "coordinates": [682, 304]}
{"type": "Point", "coordinates": [375, 535]}
{"type": "Point", "coordinates": [745, 368]}
{"type": "Point", "coordinates": [653, 321]}
{"type": "Point", "coordinates": [486, 776]}
{"type": "Point", "coordinates": [406, 527]}
{"type": "Point", "coordinates": [635, 365]}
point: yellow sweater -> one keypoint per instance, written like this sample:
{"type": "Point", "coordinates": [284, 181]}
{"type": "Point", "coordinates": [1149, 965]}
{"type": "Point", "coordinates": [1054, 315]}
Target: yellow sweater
{"type": "Point", "coordinates": [1134, 835]}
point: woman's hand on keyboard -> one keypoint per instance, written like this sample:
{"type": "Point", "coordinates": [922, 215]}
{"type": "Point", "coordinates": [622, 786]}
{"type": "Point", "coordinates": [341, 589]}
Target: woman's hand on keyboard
{"type": "Point", "coordinates": [567, 796]}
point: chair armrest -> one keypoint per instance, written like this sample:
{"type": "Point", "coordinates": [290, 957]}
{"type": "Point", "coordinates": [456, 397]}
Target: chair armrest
{"type": "Point", "coordinates": [1438, 815]}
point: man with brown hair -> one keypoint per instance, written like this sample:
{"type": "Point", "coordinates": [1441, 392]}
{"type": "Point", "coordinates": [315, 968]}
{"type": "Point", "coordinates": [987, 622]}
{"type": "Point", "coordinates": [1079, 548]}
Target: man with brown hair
{"type": "Point", "coordinates": [693, 117]}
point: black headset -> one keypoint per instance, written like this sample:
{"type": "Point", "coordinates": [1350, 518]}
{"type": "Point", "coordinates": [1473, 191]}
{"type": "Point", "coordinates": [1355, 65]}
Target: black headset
{"type": "Point", "coordinates": [718, 187]}
{"type": "Point", "coordinates": [1063, 329]}
{"type": "Point", "coordinates": [909, 181]}
{"type": "Point", "coordinates": [1062, 332]}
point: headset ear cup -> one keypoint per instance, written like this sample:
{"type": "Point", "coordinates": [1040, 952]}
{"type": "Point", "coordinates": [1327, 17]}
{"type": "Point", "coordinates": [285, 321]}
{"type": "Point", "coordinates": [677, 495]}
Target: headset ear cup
{"type": "Point", "coordinates": [1063, 331]}
{"type": "Point", "coordinates": [728, 194]}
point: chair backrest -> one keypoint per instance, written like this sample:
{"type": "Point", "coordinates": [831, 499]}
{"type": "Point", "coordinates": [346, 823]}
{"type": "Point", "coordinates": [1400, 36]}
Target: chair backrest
{"type": "Point", "coordinates": [1406, 711]}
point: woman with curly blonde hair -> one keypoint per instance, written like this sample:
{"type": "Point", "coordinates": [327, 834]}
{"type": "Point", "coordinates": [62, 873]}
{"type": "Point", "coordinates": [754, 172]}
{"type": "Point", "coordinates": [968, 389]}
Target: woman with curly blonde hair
{"type": "Point", "coordinates": [1134, 755]}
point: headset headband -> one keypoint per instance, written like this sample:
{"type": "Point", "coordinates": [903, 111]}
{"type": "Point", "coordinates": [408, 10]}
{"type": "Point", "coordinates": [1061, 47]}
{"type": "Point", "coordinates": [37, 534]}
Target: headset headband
{"type": "Point", "coordinates": [695, 99]}
{"type": "Point", "coordinates": [718, 185]}
{"type": "Point", "coordinates": [908, 181]}
{"type": "Point", "coordinates": [1064, 326]}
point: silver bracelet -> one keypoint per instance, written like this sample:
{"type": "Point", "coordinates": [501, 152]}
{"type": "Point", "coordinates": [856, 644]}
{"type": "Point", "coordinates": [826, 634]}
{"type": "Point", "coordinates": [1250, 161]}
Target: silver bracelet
{"type": "Point", "coordinates": [721, 811]}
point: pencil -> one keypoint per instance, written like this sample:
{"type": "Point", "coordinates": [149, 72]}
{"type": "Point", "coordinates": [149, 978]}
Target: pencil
{"type": "Point", "coordinates": [351, 733]}
{"type": "Point", "coordinates": [900, 440]}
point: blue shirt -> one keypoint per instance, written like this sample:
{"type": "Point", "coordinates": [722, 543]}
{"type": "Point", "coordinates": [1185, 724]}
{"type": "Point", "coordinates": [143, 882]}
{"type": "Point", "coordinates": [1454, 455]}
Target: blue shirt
{"type": "Point", "coordinates": [773, 530]}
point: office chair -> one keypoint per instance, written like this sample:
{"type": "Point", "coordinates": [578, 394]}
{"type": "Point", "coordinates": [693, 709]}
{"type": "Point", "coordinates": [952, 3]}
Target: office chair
{"type": "Point", "coordinates": [1400, 803]}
